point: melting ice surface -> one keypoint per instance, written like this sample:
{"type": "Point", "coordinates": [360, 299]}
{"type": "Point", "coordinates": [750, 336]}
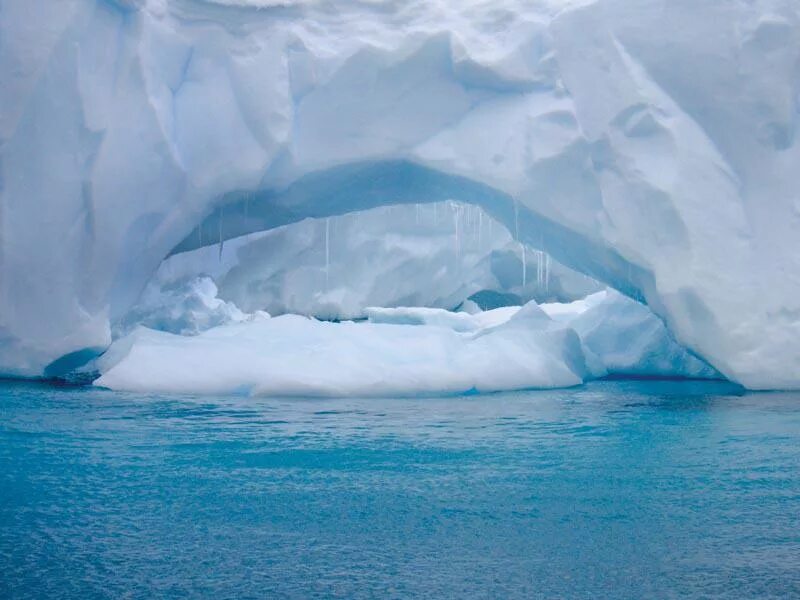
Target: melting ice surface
{"type": "Point", "coordinates": [614, 489]}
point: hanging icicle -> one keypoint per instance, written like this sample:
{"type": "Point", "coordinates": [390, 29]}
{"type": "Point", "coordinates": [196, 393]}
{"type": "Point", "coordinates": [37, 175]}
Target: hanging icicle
{"type": "Point", "coordinates": [221, 215]}
{"type": "Point", "coordinates": [457, 233]}
{"type": "Point", "coordinates": [327, 251]}
{"type": "Point", "coordinates": [547, 272]}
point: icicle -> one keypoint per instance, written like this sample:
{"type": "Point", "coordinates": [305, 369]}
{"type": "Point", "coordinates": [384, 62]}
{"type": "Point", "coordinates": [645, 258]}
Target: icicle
{"type": "Point", "coordinates": [327, 251]}
{"type": "Point", "coordinates": [471, 223]}
{"type": "Point", "coordinates": [458, 233]}
{"type": "Point", "coordinates": [547, 272]}
{"type": "Point", "coordinates": [524, 265]}
{"type": "Point", "coordinates": [221, 214]}
{"type": "Point", "coordinates": [516, 219]}
{"type": "Point", "coordinates": [539, 268]}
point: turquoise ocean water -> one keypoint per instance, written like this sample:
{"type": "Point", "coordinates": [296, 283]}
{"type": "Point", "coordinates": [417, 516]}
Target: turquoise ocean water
{"type": "Point", "coordinates": [626, 489]}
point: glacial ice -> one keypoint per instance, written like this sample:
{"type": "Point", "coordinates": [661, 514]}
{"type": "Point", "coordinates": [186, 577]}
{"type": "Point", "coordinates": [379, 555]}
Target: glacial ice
{"type": "Point", "coordinates": [293, 355]}
{"type": "Point", "coordinates": [630, 340]}
{"type": "Point", "coordinates": [399, 351]}
{"type": "Point", "coordinates": [627, 338]}
{"type": "Point", "coordinates": [619, 336]}
{"type": "Point", "coordinates": [649, 145]}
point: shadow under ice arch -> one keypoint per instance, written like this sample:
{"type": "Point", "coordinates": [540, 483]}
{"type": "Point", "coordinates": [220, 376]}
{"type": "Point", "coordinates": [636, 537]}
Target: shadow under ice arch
{"type": "Point", "coordinates": [361, 186]}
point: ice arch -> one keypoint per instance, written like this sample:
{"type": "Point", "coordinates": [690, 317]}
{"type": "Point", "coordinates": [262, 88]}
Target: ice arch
{"type": "Point", "coordinates": [361, 186]}
{"type": "Point", "coordinates": [652, 145]}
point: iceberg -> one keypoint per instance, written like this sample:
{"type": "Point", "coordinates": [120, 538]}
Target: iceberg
{"type": "Point", "coordinates": [293, 355]}
{"type": "Point", "coordinates": [651, 146]}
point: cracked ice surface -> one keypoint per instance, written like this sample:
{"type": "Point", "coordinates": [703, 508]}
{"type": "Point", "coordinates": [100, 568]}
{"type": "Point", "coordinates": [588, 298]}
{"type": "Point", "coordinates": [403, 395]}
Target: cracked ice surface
{"type": "Point", "coordinates": [652, 146]}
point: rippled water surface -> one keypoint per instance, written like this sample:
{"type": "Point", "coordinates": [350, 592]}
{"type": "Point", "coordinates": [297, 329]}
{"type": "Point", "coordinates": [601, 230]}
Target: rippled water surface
{"type": "Point", "coordinates": [615, 489]}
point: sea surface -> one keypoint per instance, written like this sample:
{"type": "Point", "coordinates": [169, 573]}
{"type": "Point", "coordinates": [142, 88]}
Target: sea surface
{"type": "Point", "coordinates": [617, 489]}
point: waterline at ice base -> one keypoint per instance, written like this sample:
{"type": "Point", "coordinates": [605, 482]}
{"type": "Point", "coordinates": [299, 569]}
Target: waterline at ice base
{"type": "Point", "coordinates": [650, 148]}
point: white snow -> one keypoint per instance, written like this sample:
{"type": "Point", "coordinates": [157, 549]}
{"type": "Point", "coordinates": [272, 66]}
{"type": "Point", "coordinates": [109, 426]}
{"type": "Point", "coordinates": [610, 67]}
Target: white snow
{"type": "Point", "coordinates": [292, 355]}
{"type": "Point", "coordinates": [651, 145]}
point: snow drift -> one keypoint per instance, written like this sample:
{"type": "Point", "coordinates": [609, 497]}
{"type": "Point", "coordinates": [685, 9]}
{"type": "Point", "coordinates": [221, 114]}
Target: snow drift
{"type": "Point", "coordinates": [650, 145]}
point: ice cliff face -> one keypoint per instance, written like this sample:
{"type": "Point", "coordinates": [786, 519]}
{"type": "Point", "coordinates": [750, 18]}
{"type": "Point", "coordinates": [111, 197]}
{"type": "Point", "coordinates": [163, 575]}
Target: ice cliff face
{"type": "Point", "coordinates": [650, 144]}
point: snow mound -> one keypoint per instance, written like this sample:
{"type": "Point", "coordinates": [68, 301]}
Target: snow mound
{"type": "Point", "coordinates": [298, 356]}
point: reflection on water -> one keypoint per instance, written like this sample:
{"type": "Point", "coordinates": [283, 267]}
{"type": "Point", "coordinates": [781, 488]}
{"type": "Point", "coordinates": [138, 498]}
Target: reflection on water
{"type": "Point", "coordinates": [623, 489]}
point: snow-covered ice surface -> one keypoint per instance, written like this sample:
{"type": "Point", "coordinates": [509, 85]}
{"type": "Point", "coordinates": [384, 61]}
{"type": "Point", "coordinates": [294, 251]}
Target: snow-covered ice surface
{"type": "Point", "coordinates": [400, 351]}
{"type": "Point", "coordinates": [650, 145]}
{"type": "Point", "coordinates": [435, 255]}
{"type": "Point", "coordinates": [292, 355]}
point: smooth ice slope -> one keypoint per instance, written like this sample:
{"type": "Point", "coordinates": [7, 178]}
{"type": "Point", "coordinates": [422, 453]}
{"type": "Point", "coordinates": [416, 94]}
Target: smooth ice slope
{"type": "Point", "coordinates": [293, 355]}
{"type": "Point", "coordinates": [650, 145]}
